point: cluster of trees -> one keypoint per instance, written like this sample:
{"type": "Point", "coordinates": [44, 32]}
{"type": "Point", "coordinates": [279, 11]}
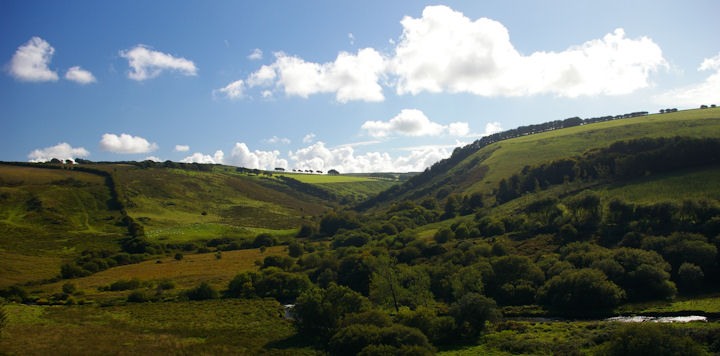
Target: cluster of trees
{"type": "Point", "coordinates": [621, 160]}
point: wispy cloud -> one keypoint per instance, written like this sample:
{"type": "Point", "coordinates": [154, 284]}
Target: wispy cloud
{"type": "Point", "coordinates": [146, 63]}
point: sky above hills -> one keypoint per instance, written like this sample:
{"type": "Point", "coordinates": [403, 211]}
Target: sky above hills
{"type": "Point", "coordinates": [355, 86]}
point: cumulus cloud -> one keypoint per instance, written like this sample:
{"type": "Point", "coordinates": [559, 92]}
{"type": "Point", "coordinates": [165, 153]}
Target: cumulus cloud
{"type": "Point", "coordinates": [146, 63]}
{"type": "Point", "coordinates": [445, 51]}
{"type": "Point", "coordinates": [490, 128]}
{"type": "Point", "coordinates": [276, 139]}
{"type": "Point", "coordinates": [256, 54]}
{"type": "Point", "coordinates": [30, 62]}
{"type": "Point", "coordinates": [350, 76]}
{"type": "Point", "coordinates": [263, 76]}
{"type": "Point", "coordinates": [343, 158]}
{"type": "Point", "coordinates": [413, 122]}
{"type": "Point", "coordinates": [309, 138]}
{"type": "Point", "coordinates": [267, 160]}
{"type": "Point", "coordinates": [62, 151]}
{"type": "Point", "coordinates": [707, 92]}
{"type": "Point", "coordinates": [197, 157]}
{"type": "Point", "coordinates": [182, 148]}
{"type": "Point", "coordinates": [126, 144]}
{"type": "Point", "coordinates": [234, 90]}
{"type": "Point", "coordinates": [79, 75]}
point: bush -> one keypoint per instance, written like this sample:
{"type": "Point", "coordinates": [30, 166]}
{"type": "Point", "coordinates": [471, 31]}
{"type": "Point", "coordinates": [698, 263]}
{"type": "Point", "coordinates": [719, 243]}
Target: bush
{"type": "Point", "coordinates": [264, 240]}
{"type": "Point", "coordinates": [649, 339]}
{"type": "Point", "coordinates": [295, 249]}
{"type": "Point", "coordinates": [178, 256]}
{"type": "Point", "coordinates": [444, 235]}
{"type": "Point", "coordinates": [318, 311]}
{"type": "Point", "coordinates": [14, 294]}
{"type": "Point", "coordinates": [584, 289]}
{"type": "Point", "coordinates": [69, 288]}
{"type": "Point", "coordinates": [203, 292]}
{"type": "Point", "coordinates": [471, 312]}
{"type": "Point", "coordinates": [125, 284]}
{"type": "Point", "coordinates": [166, 284]}
{"type": "Point", "coordinates": [137, 296]}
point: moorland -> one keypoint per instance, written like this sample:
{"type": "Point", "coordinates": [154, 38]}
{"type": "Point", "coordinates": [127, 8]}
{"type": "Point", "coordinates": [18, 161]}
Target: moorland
{"type": "Point", "coordinates": [523, 242]}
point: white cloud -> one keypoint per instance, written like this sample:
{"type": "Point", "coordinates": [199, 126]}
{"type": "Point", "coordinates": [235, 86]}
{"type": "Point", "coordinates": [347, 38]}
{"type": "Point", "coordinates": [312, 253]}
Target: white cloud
{"type": "Point", "coordinates": [182, 148]}
{"type": "Point", "coordinates": [234, 90]}
{"type": "Point", "coordinates": [267, 94]}
{"type": "Point", "coordinates": [309, 138]}
{"type": "Point", "coordinates": [267, 160]}
{"type": "Point", "coordinates": [256, 54]}
{"type": "Point", "coordinates": [62, 151]}
{"type": "Point", "coordinates": [30, 62]}
{"type": "Point", "coordinates": [350, 76]}
{"type": "Point", "coordinates": [490, 128]}
{"type": "Point", "coordinates": [707, 92]}
{"type": "Point", "coordinates": [197, 157]}
{"type": "Point", "coordinates": [126, 144]}
{"type": "Point", "coordinates": [344, 159]}
{"type": "Point", "coordinates": [153, 158]}
{"type": "Point", "coordinates": [79, 75]}
{"type": "Point", "coordinates": [413, 122]}
{"type": "Point", "coordinates": [262, 77]}
{"type": "Point", "coordinates": [351, 37]}
{"type": "Point", "coordinates": [146, 63]}
{"type": "Point", "coordinates": [276, 139]}
{"type": "Point", "coordinates": [446, 51]}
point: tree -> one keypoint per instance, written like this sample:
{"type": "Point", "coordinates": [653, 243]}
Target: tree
{"type": "Point", "coordinates": [295, 249]}
{"type": "Point", "coordinates": [202, 292]}
{"type": "Point", "coordinates": [318, 311]}
{"type": "Point", "coordinates": [333, 172]}
{"type": "Point", "coordinates": [452, 206]}
{"type": "Point", "coordinates": [471, 313]}
{"type": "Point", "coordinates": [583, 289]}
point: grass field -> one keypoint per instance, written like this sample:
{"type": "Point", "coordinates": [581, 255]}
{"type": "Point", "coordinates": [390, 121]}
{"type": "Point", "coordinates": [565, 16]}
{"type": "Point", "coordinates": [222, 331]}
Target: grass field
{"type": "Point", "coordinates": [47, 216]}
{"type": "Point", "coordinates": [707, 304]}
{"type": "Point", "coordinates": [229, 326]}
{"type": "Point", "coordinates": [186, 273]}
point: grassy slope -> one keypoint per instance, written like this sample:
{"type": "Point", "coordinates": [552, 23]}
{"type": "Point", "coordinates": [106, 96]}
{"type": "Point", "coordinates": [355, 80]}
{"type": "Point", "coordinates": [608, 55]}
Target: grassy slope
{"type": "Point", "coordinates": [170, 203]}
{"type": "Point", "coordinates": [45, 218]}
{"type": "Point", "coordinates": [482, 171]}
{"type": "Point", "coordinates": [186, 273]}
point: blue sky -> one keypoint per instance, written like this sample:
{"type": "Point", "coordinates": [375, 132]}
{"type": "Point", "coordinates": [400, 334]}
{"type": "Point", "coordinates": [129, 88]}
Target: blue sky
{"type": "Point", "coordinates": [355, 86]}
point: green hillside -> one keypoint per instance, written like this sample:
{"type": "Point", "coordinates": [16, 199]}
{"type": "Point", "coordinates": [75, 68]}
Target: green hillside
{"type": "Point", "coordinates": [573, 225]}
{"type": "Point", "coordinates": [482, 171]}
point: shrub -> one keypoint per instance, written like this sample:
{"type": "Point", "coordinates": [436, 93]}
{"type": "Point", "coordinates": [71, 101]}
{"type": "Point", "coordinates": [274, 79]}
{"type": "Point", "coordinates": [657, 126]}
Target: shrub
{"type": "Point", "coordinates": [14, 294]}
{"type": "Point", "coordinates": [166, 284]}
{"type": "Point", "coordinates": [318, 311]}
{"type": "Point", "coordinates": [471, 312]}
{"type": "Point", "coordinates": [582, 289]}
{"type": "Point", "coordinates": [295, 249]}
{"type": "Point", "coordinates": [125, 284]}
{"type": "Point", "coordinates": [649, 339]}
{"type": "Point", "coordinates": [137, 296]}
{"type": "Point", "coordinates": [203, 292]}
{"type": "Point", "coordinates": [264, 240]}
{"type": "Point", "coordinates": [178, 256]}
{"type": "Point", "coordinates": [69, 288]}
